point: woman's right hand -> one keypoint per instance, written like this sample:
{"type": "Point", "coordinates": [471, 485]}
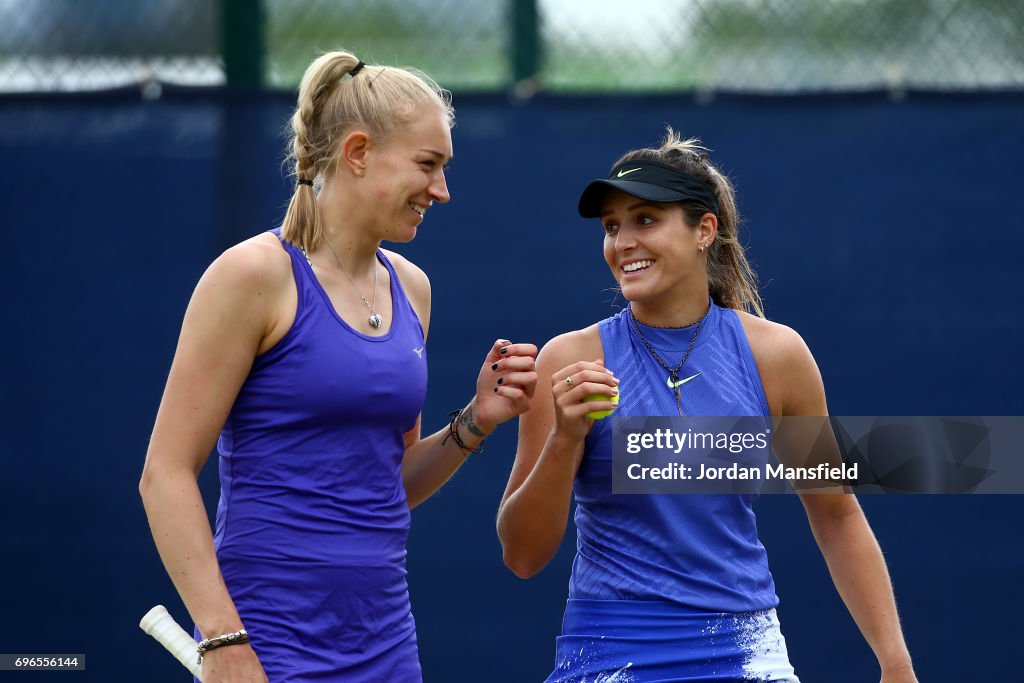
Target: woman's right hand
{"type": "Point", "coordinates": [233, 664]}
{"type": "Point", "coordinates": [571, 387]}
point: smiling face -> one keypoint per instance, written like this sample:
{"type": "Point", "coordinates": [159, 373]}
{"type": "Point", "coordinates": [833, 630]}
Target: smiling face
{"type": "Point", "coordinates": [405, 173]}
{"type": "Point", "coordinates": [652, 252]}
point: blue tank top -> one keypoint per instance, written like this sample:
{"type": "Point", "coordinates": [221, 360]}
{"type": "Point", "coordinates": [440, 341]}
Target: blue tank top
{"type": "Point", "coordinates": [696, 550]}
{"type": "Point", "coordinates": [311, 453]}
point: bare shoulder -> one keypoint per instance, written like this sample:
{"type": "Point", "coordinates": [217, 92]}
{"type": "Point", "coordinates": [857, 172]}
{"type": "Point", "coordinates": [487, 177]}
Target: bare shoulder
{"type": "Point", "coordinates": [569, 348]}
{"type": "Point", "coordinates": [771, 341]}
{"type": "Point", "coordinates": [790, 376]}
{"type": "Point", "coordinates": [249, 288]}
{"type": "Point", "coordinates": [415, 283]}
{"type": "Point", "coordinates": [414, 280]}
{"type": "Point", "coordinates": [259, 266]}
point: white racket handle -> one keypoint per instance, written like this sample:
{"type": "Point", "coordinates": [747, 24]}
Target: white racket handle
{"type": "Point", "coordinates": [159, 624]}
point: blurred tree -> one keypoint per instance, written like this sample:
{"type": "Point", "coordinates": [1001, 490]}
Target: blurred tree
{"type": "Point", "coordinates": [462, 43]}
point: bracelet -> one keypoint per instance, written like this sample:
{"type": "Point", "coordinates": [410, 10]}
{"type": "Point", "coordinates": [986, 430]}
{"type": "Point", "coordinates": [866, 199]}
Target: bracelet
{"type": "Point", "coordinates": [236, 638]}
{"type": "Point", "coordinates": [453, 433]}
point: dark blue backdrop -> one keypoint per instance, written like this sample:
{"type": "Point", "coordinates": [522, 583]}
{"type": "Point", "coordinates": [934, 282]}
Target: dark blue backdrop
{"type": "Point", "coordinates": [885, 232]}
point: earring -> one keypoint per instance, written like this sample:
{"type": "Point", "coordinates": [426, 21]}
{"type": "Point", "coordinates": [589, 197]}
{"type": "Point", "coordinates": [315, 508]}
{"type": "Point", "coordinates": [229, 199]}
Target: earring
{"type": "Point", "coordinates": [702, 248]}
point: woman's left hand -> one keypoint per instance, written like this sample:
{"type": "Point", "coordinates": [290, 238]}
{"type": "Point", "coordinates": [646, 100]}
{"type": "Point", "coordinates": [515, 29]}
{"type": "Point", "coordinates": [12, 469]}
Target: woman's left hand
{"type": "Point", "coordinates": [505, 384]}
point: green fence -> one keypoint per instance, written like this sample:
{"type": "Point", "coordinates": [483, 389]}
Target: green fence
{"type": "Point", "coordinates": [522, 45]}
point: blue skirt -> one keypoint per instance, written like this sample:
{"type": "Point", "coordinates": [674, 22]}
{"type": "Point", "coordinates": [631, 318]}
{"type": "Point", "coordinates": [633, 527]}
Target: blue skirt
{"type": "Point", "coordinates": [310, 622]}
{"type": "Point", "coordinates": [643, 641]}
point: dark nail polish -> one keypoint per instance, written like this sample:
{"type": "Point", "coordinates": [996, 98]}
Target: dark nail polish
{"type": "Point", "coordinates": [501, 380]}
{"type": "Point", "coordinates": [494, 367]}
{"type": "Point", "coordinates": [495, 389]}
{"type": "Point", "coordinates": [503, 351]}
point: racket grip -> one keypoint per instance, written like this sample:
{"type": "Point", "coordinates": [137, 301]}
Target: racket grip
{"type": "Point", "coordinates": [159, 624]}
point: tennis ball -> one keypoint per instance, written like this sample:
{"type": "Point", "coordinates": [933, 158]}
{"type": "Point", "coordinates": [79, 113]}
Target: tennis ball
{"type": "Point", "coordinates": [601, 414]}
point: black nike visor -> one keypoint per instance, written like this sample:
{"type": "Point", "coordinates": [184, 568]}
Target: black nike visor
{"type": "Point", "coordinates": [650, 180]}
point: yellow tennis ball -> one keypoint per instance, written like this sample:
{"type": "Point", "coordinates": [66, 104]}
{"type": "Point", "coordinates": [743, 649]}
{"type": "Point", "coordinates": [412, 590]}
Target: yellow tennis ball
{"type": "Point", "coordinates": [601, 414]}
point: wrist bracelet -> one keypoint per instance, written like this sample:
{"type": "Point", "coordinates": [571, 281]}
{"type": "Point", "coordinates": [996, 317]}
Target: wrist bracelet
{"type": "Point", "coordinates": [453, 433]}
{"type": "Point", "coordinates": [236, 638]}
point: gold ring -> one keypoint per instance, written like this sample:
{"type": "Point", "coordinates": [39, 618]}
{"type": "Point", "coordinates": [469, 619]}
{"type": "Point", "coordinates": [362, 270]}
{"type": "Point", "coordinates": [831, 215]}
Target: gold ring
{"type": "Point", "coordinates": [568, 381]}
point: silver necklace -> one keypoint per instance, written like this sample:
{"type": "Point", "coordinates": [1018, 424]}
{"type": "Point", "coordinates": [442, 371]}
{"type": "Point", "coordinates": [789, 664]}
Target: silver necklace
{"type": "Point", "coordinates": [673, 380]}
{"type": "Point", "coordinates": [375, 318]}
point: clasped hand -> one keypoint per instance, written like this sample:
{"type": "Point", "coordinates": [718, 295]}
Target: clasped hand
{"type": "Point", "coordinates": [505, 384]}
{"type": "Point", "coordinates": [578, 389]}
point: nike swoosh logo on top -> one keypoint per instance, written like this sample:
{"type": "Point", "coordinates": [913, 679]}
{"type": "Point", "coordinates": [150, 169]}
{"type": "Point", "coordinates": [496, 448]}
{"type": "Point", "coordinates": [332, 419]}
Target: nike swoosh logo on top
{"type": "Point", "coordinates": [673, 385]}
{"type": "Point", "coordinates": [622, 173]}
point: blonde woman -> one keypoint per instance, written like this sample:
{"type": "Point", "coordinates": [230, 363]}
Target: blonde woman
{"type": "Point", "coordinates": [675, 587]}
{"type": "Point", "coordinates": [302, 355]}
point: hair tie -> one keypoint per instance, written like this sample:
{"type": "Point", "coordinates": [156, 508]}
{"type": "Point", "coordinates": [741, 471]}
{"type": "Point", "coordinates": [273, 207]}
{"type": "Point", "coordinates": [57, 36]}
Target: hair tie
{"type": "Point", "coordinates": [357, 68]}
{"type": "Point", "coordinates": [305, 181]}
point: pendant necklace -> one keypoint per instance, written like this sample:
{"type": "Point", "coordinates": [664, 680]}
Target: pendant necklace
{"type": "Point", "coordinates": [375, 318]}
{"type": "Point", "coordinates": [673, 380]}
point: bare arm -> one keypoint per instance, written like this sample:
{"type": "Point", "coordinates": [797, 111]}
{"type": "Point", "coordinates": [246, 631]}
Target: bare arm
{"type": "Point", "coordinates": [858, 570]}
{"type": "Point", "coordinates": [226, 323]}
{"type": "Point", "coordinates": [534, 511]}
{"type": "Point", "coordinates": [849, 547]}
{"type": "Point", "coordinates": [504, 388]}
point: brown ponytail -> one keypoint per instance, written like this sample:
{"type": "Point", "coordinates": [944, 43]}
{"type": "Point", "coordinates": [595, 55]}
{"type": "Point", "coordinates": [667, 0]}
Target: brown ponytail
{"type": "Point", "coordinates": [731, 280]}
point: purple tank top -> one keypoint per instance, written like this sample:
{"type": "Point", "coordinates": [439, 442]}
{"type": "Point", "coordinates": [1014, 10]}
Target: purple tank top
{"type": "Point", "coordinates": [313, 520]}
{"type": "Point", "coordinates": [311, 453]}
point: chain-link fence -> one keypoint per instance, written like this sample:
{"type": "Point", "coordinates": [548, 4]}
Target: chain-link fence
{"type": "Point", "coordinates": [50, 45]}
{"type": "Point", "coordinates": [785, 45]}
{"type": "Point", "coordinates": [557, 45]}
{"type": "Point", "coordinates": [461, 44]}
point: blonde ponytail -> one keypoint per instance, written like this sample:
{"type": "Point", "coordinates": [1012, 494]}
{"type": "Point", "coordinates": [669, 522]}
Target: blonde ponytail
{"type": "Point", "coordinates": [376, 99]}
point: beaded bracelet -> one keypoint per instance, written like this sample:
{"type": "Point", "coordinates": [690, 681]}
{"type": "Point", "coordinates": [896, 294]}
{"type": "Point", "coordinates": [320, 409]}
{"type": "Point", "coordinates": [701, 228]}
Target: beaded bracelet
{"type": "Point", "coordinates": [236, 638]}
